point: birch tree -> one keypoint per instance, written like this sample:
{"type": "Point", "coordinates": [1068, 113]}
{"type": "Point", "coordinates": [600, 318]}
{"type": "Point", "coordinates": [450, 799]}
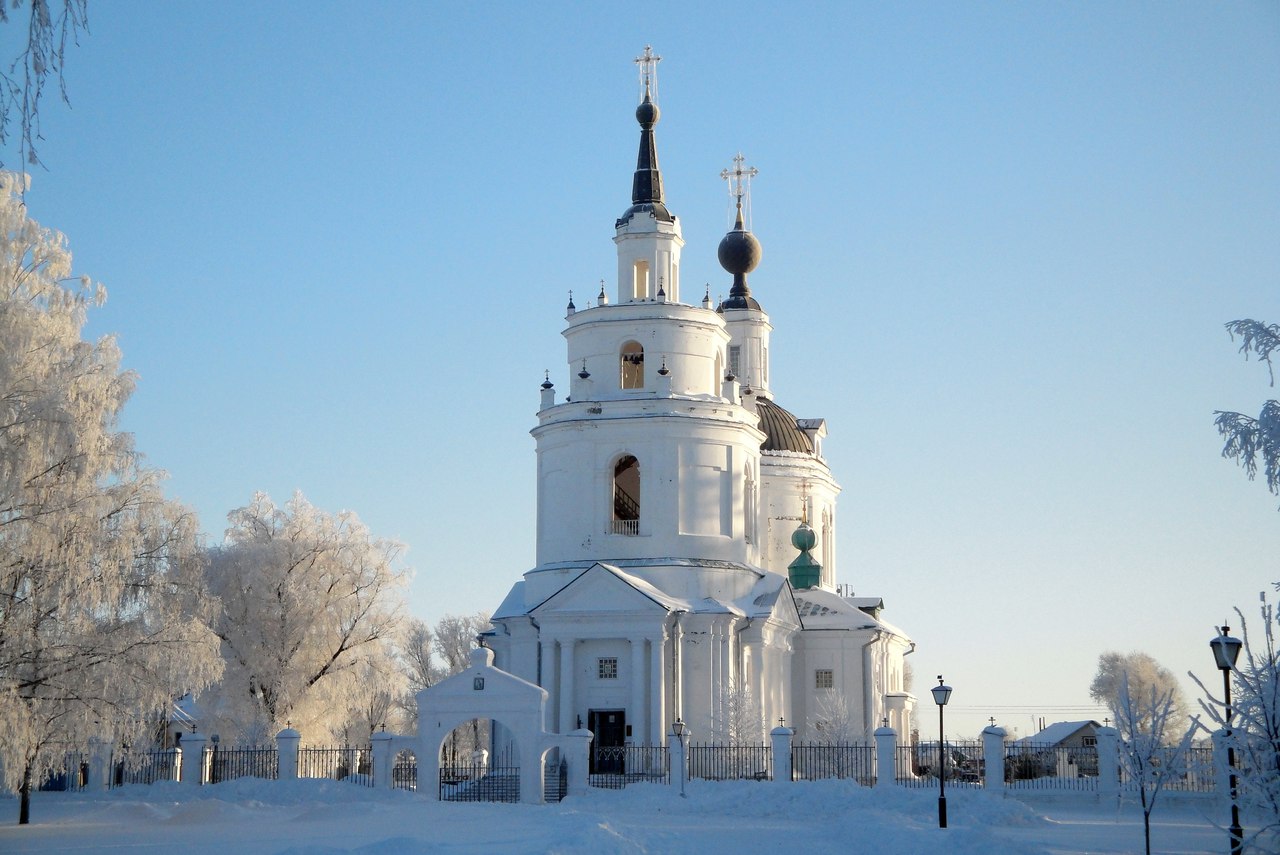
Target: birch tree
{"type": "Point", "coordinates": [1154, 741]}
{"type": "Point", "coordinates": [1137, 679]}
{"type": "Point", "coordinates": [1253, 441]}
{"type": "Point", "coordinates": [308, 600]}
{"type": "Point", "coordinates": [50, 27]}
{"type": "Point", "coordinates": [102, 623]}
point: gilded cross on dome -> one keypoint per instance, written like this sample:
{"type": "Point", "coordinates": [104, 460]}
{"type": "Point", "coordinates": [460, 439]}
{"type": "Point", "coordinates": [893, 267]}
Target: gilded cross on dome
{"type": "Point", "coordinates": [739, 177]}
{"type": "Point", "coordinates": [648, 64]}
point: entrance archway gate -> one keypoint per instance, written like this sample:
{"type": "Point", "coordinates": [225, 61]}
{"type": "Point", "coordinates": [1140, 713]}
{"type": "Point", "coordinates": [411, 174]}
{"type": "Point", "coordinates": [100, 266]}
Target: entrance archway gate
{"type": "Point", "coordinates": [485, 692]}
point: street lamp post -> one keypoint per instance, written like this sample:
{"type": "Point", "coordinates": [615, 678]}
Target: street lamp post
{"type": "Point", "coordinates": [941, 694]}
{"type": "Point", "coordinates": [677, 727]}
{"type": "Point", "coordinates": [1225, 652]}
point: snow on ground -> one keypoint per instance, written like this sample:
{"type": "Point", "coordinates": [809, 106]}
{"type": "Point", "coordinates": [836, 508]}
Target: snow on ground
{"type": "Point", "coordinates": [316, 817]}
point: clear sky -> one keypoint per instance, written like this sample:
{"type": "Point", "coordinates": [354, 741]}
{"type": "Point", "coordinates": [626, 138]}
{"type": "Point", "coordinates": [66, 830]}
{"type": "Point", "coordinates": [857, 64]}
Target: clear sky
{"type": "Point", "coordinates": [1000, 243]}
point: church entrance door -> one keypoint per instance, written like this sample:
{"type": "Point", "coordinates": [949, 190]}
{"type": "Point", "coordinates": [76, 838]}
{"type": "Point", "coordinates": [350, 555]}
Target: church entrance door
{"type": "Point", "coordinates": [607, 749]}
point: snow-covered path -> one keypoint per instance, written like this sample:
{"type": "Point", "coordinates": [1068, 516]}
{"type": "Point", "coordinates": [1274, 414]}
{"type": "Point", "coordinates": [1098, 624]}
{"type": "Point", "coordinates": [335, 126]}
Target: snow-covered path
{"type": "Point", "coordinates": [252, 817]}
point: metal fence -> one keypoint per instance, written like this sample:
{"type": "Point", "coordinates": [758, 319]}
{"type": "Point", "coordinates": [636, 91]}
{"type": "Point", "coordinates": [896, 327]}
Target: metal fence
{"type": "Point", "coordinates": [145, 767]}
{"type": "Point", "coordinates": [71, 774]}
{"type": "Point", "coordinates": [404, 771]}
{"type": "Point", "coordinates": [480, 783]}
{"type": "Point", "coordinates": [555, 781]}
{"type": "Point", "coordinates": [815, 761]}
{"type": "Point", "coordinates": [226, 764]}
{"type": "Point", "coordinates": [918, 765]}
{"type": "Point", "coordinates": [731, 762]}
{"type": "Point", "coordinates": [615, 766]}
{"type": "Point", "coordinates": [1050, 766]}
{"type": "Point", "coordinates": [1189, 772]}
{"type": "Point", "coordinates": [340, 764]}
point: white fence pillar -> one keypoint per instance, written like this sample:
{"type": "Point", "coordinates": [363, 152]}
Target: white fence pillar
{"type": "Point", "coordinates": [993, 757]}
{"type": "Point", "coordinates": [383, 759]}
{"type": "Point", "coordinates": [193, 758]}
{"type": "Point", "coordinates": [576, 750]}
{"type": "Point", "coordinates": [781, 738]}
{"type": "Point", "coordinates": [100, 770]}
{"type": "Point", "coordinates": [886, 756]}
{"type": "Point", "coordinates": [679, 759]}
{"type": "Point", "coordinates": [287, 742]}
{"type": "Point", "coordinates": [1108, 761]}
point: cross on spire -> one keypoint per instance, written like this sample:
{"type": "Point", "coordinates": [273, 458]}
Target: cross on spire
{"type": "Point", "coordinates": [648, 64]}
{"type": "Point", "coordinates": [739, 178]}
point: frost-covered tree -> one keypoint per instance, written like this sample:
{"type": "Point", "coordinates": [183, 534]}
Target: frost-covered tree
{"type": "Point", "coordinates": [741, 722]}
{"type": "Point", "coordinates": [833, 722]}
{"type": "Point", "coordinates": [50, 26]}
{"type": "Point", "coordinates": [1154, 741]}
{"type": "Point", "coordinates": [1251, 441]}
{"type": "Point", "coordinates": [418, 666]}
{"type": "Point", "coordinates": [1255, 724]}
{"type": "Point", "coordinates": [1146, 679]}
{"type": "Point", "coordinates": [454, 638]}
{"type": "Point", "coordinates": [308, 600]}
{"type": "Point", "coordinates": [374, 699]}
{"type": "Point", "coordinates": [101, 617]}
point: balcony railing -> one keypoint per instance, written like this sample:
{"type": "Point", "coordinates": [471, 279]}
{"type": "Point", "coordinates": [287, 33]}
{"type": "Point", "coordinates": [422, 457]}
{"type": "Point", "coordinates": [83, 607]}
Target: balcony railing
{"type": "Point", "coordinates": [631, 528]}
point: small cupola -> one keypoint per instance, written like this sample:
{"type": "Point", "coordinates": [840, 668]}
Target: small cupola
{"type": "Point", "coordinates": [804, 571]}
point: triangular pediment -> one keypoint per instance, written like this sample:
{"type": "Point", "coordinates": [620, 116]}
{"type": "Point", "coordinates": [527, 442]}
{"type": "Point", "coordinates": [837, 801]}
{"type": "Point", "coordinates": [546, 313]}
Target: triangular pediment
{"type": "Point", "coordinates": [603, 589]}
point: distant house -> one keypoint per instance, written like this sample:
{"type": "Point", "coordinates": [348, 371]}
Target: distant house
{"type": "Point", "coordinates": [1066, 734]}
{"type": "Point", "coordinates": [1064, 749]}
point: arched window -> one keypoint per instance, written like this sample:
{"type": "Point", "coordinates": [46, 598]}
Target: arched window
{"type": "Point", "coordinates": [626, 495]}
{"type": "Point", "coordinates": [631, 374]}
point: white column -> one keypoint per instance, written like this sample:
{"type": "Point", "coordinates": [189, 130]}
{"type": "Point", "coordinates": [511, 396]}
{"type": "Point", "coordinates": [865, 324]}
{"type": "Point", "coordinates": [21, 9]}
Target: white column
{"type": "Point", "coordinates": [637, 713]}
{"type": "Point", "coordinates": [567, 721]}
{"type": "Point", "coordinates": [993, 757]}
{"type": "Point", "coordinates": [657, 707]}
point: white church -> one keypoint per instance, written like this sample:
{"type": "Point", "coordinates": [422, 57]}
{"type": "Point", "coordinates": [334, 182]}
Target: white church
{"type": "Point", "coordinates": [686, 528]}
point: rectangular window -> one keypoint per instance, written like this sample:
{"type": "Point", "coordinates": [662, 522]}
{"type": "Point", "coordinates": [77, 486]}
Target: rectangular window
{"type": "Point", "coordinates": [1090, 740]}
{"type": "Point", "coordinates": [607, 668]}
{"type": "Point", "coordinates": [824, 678]}
{"type": "Point", "coordinates": [735, 360]}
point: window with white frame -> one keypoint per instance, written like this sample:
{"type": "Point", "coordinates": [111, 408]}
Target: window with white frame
{"type": "Point", "coordinates": [824, 678]}
{"type": "Point", "coordinates": [607, 667]}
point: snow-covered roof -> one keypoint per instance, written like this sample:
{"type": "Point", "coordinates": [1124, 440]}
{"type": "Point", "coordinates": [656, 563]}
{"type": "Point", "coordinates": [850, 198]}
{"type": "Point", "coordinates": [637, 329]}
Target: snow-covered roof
{"type": "Point", "coordinates": [1060, 731]}
{"type": "Point", "coordinates": [512, 604]}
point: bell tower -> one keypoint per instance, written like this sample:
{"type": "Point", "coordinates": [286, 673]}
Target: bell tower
{"type": "Point", "coordinates": [647, 234]}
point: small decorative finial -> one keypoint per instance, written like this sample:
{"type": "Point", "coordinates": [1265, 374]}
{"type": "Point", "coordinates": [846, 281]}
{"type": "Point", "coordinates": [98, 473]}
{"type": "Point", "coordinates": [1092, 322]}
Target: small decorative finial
{"type": "Point", "coordinates": [706, 299]}
{"type": "Point", "coordinates": [662, 291]}
{"type": "Point", "coordinates": [992, 720]}
{"type": "Point", "coordinates": [663, 370]}
{"type": "Point", "coordinates": [584, 374]}
{"type": "Point", "coordinates": [546, 379]}
{"type": "Point", "coordinates": [884, 722]}
{"type": "Point", "coordinates": [782, 722]}
{"type": "Point", "coordinates": [602, 299]}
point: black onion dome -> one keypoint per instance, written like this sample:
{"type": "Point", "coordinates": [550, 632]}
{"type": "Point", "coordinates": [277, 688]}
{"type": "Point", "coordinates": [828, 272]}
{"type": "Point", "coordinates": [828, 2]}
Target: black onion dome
{"type": "Point", "coordinates": [739, 252]}
{"type": "Point", "coordinates": [781, 431]}
{"type": "Point", "coordinates": [647, 114]}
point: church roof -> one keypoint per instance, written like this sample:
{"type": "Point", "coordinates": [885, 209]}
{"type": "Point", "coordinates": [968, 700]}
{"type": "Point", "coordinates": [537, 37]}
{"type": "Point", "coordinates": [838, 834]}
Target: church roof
{"type": "Point", "coordinates": [781, 429]}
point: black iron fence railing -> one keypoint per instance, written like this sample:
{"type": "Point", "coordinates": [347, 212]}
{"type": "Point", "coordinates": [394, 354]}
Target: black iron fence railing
{"type": "Point", "coordinates": [404, 771]}
{"type": "Point", "coordinates": [615, 766]}
{"type": "Point", "coordinates": [920, 765]}
{"type": "Point", "coordinates": [816, 761]}
{"type": "Point", "coordinates": [731, 762]}
{"type": "Point", "coordinates": [480, 783]}
{"type": "Point", "coordinates": [340, 764]}
{"type": "Point", "coordinates": [1050, 766]}
{"type": "Point", "coordinates": [1191, 771]}
{"type": "Point", "coordinates": [226, 764]}
{"type": "Point", "coordinates": [144, 767]}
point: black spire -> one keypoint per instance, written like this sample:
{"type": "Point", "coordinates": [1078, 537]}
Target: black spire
{"type": "Point", "coordinates": [646, 186]}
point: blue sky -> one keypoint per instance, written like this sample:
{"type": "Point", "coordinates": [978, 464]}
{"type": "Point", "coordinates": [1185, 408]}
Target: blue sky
{"type": "Point", "coordinates": [1000, 242]}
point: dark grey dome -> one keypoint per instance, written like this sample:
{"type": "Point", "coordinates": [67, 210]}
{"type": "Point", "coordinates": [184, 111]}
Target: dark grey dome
{"type": "Point", "coordinates": [781, 431]}
{"type": "Point", "coordinates": [647, 114]}
{"type": "Point", "coordinates": [739, 252]}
